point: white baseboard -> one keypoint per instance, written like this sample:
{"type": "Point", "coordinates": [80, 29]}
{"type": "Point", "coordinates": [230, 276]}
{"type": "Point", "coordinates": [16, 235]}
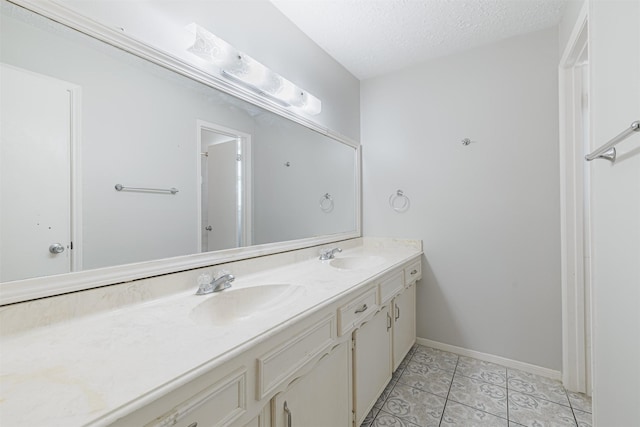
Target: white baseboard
{"type": "Point", "coordinates": [509, 363]}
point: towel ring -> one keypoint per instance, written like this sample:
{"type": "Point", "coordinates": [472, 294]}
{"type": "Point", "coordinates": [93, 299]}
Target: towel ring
{"type": "Point", "coordinates": [399, 202]}
{"type": "Point", "coordinates": [326, 203]}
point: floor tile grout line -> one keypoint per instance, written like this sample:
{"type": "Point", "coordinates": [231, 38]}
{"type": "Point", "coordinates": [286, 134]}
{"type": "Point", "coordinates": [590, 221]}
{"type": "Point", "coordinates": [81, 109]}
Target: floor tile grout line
{"type": "Point", "coordinates": [446, 400]}
{"type": "Point", "coordinates": [409, 423]}
{"type": "Point", "coordinates": [479, 410]}
{"type": "Point", "coordinates": [546, 400]}
{"type": "Point", "coordinates": [506, 386]}
{"type": "Point", "coordinates": [480, 379]}
{"type": "Point", "coordinates": [394, 386]}
{"type": "Point", "coordinates": [571, 406]}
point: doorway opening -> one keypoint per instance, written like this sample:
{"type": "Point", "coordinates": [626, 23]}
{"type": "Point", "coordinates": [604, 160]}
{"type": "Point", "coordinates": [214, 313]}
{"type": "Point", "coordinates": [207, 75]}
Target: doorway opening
{"type": "Point", "coordinates": [575, 210]}
{"type": "Point", "coordinates": [225, 187]}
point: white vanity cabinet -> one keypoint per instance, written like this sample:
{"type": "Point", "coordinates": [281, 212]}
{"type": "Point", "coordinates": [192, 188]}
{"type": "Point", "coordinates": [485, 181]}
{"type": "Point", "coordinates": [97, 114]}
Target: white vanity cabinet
{"type": "Point", "coordinates": [404, 323]}
{"type": "Point", "coordinates": [371, 361]}
{"type": "Point", "coordinates": [326, 369]}
{"type": "Point", "coordinates": [320, 398]}
{"type": "Point", "coordinates": [404, 311]}
{"type": "Point", "coordinates": [399, 290]}
{"type": "Point", "coordinates": [216, 398]}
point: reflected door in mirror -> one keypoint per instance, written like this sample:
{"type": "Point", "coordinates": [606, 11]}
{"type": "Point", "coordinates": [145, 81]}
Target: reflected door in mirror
{"type": "Point", "coordinates": [224, 188]}
{"type": "Point", "coordinates": [36, 175]}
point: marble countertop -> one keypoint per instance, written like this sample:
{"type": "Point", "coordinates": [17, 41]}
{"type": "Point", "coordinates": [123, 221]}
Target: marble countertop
{"type": "Point", "coordinates": [94, 369]}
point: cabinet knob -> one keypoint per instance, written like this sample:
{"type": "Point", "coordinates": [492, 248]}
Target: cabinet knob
{"type": "Point", "coordinates": [414, 271]}
{"type": "Point", "coordinates": [397, 312]}
{"type": "Point", "coordinates": [193, 424]}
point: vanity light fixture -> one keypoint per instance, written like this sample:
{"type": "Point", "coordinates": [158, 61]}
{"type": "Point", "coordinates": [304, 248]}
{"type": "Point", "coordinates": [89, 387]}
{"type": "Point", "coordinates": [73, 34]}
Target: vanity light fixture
{"type": "Point", "coordinates": [243, 69]}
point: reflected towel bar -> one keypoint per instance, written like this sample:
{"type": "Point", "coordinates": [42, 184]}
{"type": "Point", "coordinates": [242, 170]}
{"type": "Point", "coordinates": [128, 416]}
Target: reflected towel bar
{"type": "Point", "coordinates": [607, 151]}
{"type": "Point", "coordinates": [120, 187]}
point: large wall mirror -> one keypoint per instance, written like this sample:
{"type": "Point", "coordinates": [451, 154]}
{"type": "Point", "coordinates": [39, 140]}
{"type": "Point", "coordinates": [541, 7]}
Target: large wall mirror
{"type": "Point", "coordinates": [108, 159]}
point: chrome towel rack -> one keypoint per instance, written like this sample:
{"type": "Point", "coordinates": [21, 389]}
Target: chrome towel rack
{"type": "Point", "coordinates": [607, 151]}
{"type": "Point", "coordinates": [399, 201]}
{"type": "Point", "coordinates": [326, 203]}
{"type": "Point", "coordinates": [172, 190]}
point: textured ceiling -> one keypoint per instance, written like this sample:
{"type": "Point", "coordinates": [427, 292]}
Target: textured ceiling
{"type": "Point", "coordinates": [374, 37]}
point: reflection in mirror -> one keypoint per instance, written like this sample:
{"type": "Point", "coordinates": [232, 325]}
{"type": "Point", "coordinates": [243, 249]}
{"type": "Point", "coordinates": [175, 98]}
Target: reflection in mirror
{"type": "Point", "coordinates": [80, 116]}
{"type": "Point", "coordinates": [226, 189]}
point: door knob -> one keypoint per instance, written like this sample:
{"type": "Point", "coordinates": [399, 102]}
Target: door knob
{"type": "Point", "coordinates": [56, 248]}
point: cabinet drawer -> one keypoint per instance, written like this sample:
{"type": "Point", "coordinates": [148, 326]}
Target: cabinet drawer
{"type": "Point", "coordinates": [354, 312]}
{"type": "Point", "coordinates": [284, 360]}
{"type": "Point", "coordinates": [413, 272]}
{"type": "Point", "coordinates": [218, 405]}
{"type": "Point", "coordinates": [391, 286]}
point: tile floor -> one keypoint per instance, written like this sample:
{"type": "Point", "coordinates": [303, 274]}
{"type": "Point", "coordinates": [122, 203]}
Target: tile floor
{"type": "Point", "coordinates": [435, 388]}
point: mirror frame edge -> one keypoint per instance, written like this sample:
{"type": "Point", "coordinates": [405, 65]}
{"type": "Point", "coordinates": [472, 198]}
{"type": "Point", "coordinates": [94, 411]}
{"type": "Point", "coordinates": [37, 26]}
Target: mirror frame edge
{"type": "Point", "coordinates": [47, 286]}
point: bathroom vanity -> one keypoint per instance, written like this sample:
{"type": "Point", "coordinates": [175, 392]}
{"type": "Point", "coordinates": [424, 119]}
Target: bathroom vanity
{"type": "Point", "coordinates": [294, 342]}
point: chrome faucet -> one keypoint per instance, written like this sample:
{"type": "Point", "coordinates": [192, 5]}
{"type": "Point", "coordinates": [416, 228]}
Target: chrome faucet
{"type": "Point", "coordinates": [220, 284]}
{"type": "Point", "coordinates": [329, 253]}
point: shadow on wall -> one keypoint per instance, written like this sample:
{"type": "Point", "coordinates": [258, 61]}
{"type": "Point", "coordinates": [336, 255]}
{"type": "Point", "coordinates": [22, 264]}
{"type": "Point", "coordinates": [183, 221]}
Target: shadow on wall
{"type": "Point", "coordinates": [627, 155]}
{"type": "Point", "coordinates": [432, 306]}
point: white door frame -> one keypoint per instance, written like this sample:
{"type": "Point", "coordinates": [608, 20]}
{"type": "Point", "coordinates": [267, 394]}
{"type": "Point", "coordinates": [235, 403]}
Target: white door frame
{"type": "Point", "coordinates": [75, 96]}
{"type": "Point", "coordinates": [575, 261]}
{"type": "Point", "coordinates": [245, 138]}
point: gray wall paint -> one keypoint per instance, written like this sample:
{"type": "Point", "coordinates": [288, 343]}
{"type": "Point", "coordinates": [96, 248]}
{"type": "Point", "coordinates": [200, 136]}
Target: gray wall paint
{"type": "Point", "coordinates": [488, 213]}
{"type": "Point", "coordinates": [287, 198]}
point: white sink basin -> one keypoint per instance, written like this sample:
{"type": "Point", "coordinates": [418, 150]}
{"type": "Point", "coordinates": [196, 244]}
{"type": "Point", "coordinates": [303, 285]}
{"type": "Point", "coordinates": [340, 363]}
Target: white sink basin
{"type": "Point", "coordinates": [356, 262]}
{"type": "Point", "coordinates": [232, 305]}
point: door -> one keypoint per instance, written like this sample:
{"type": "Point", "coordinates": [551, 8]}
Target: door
{"type": "Point", "coordinates": [222, 224]}
{"type": "Point", "coordinates": [614, 61]}
{"type": "Point", "coordinates": [35, 178]}
{"type": "Point", "coordinates": [371, 374]}
{"type": "Point", "coordinates": [320, 398]}
{"type": "Point", "coordinates": [404, 326]}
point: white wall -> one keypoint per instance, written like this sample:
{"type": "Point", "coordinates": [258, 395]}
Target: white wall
{"type": "Point", "coordinates": [254, 26]}
{"type": "Point", "coordinates": [488, 213]}
{"type": "Point", "coordinates": [614, 61]}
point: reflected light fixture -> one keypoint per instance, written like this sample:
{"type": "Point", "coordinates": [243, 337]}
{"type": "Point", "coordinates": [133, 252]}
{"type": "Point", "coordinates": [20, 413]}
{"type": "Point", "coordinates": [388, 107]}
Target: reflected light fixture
{"type": "Point", "coordinates": [243, 69]}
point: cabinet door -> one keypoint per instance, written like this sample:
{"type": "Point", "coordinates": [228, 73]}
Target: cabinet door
{"type": "Point", "coordinates": [320, 398]}
{"type": "Point", "coordinates": [371, 362]}
{"type": "Point", "coordinates": [404, 326]}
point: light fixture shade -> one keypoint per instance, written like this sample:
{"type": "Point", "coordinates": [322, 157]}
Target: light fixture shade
{"type": "Point", "coordinates": [212, 48]}
{"type": "Point", "coordinates": [242, 68]}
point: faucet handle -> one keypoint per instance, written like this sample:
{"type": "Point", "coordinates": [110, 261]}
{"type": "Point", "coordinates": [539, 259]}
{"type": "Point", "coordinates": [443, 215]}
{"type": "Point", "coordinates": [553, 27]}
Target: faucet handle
{"type": "Point", "coordinates": [204, 279]}
{"type": "Point", "coordinates": [326, 254]}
